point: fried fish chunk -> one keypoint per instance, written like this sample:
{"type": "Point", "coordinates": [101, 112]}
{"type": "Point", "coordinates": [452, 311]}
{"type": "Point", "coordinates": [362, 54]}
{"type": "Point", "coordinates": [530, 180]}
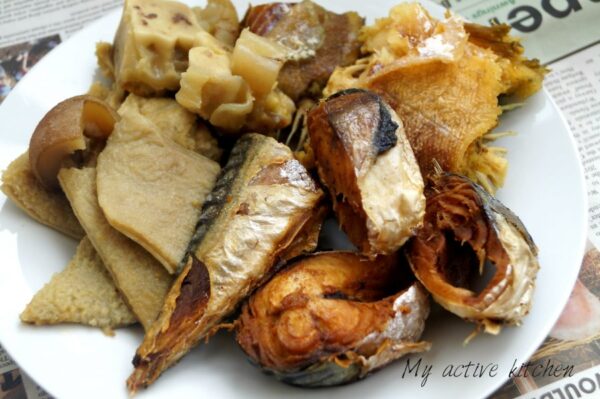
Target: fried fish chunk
{"type": "Point", "coordinates": [465, 227]}
{"type": "Point", "coordinates": [365, 160]}
{"type": "Point", "coordinates": [333, 317]}
{"type": "Point", "coordinates": [443, 78]}
{"type": "Point", "coordinates": [264, 208]}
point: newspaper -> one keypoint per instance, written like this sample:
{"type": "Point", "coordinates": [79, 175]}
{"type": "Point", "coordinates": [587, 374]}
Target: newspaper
{"type": "Point", "coordinates": [563, 34]}
{"type": "Point", "coordinates": [29, 29]}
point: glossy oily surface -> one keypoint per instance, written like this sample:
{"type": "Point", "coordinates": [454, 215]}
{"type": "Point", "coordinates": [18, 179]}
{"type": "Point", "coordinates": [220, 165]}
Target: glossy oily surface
{"type": "Point", "coordinates": [544, 187]}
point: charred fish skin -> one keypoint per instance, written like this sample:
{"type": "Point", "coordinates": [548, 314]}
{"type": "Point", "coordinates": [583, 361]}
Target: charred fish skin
{"type": "Point", "coordinates": [264, 208]}
{"type": "Point", "coordinates": [333, 317]}
{"type": "Point", "coordinates": [216, 200]}
{"type": "Point", "coordinates": [464, 227]}
{"type": "Point", "coordinates": [367, 164]}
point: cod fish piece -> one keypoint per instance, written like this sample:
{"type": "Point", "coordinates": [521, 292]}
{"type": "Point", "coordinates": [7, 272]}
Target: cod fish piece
{"type": "Point", "coordinates": [319, 41]}
{"type": "Point", "coordinates": [465, 227]}
{"type": "Point", "coordinates": [140, 278]}
{"type": "Point", "coordinates": [82, 293]}
{"type": "Point", "coordinates": [150, 188]}
{"type": "Point", "coordinates": [366, 162]}
{"type": "Point", "coordinates": [177, 123]}
{"type": "Point", "coordinates": [49, 207]}
{"type": "Point", "coordinates": [264, 209]}
{"type": "Point", "coordinates": [332, 317]}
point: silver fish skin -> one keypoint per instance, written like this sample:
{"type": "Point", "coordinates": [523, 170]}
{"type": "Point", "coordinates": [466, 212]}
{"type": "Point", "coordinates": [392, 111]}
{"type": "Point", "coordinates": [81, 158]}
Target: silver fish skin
{"type": "Point", "coordinates": [264, 209]}
{"type": "Point", "coordinates": [464, 228]}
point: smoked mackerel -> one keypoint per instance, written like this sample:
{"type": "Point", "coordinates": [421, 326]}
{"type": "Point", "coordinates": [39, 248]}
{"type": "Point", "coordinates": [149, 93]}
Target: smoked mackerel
{"type": "Point", "coordinates": [264, 209]}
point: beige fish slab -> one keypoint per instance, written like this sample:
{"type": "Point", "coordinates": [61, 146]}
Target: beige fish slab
{"type": "Point", "coordinates": [152, 189]}
{"type": "Point", "coordinates": [264, 209]}
{"type": "Point", "coordinates": [137, 274]}
{"type": "Point", "coordinates": [47, 207]}
{"type": "Point", "coordinates": [175, 122]}
{"type": "Point", "coordinates": [82, 293]}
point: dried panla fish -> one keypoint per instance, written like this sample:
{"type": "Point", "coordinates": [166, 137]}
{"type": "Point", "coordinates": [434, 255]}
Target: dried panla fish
{"type": "Point", "coordinates": [366, 162]}
{"type": "Point", "coordinates": [443, 78]}
{"type": "Point", "coordinates": [333, 317]}
{"type": "Point", "coordinates": [264, 208]}
{"type": "Point", "coordinates": [465, 227]}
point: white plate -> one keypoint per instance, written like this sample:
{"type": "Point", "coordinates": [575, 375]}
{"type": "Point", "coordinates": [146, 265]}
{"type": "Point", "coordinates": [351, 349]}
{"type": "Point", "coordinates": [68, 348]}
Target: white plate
{"type": "Point", "coordinates": [544, 187]}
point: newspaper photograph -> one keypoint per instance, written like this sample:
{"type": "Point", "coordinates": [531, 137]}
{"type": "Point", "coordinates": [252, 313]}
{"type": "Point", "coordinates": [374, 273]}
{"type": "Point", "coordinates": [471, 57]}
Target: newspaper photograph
{"type": "Point", "coordinates": [563, 34]}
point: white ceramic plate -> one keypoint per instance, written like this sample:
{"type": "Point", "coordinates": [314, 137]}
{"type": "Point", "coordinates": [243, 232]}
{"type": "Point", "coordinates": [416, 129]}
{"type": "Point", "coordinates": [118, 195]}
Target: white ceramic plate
{"type": "Point", "coordinates": [544, 187]}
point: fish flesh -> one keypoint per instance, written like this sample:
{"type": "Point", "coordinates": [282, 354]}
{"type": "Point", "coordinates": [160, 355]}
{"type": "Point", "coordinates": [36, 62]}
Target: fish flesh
{"type": "Point", "coordinates": [333, 317]}
{"type": "Point", "coordinates": [150, 188]}
{"type": "Point", "coordinates": [464, 228]}
{"type": "Point", "coordinates": [444, 78]}
{"type": "Point", "coordinates": [264, 209]}
{"type": "Point", "coordinates": [365, 160]}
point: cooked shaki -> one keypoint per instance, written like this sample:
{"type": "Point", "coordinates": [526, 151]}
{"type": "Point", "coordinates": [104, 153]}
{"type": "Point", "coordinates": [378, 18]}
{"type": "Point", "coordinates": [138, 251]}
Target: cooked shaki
{"type": "Point", "coordinates": [332, 317]}
{"type": "Point", "coordinates": [150, 188]}
{"type": "Point", "coordinates": [151, 46]}
{"type": "Point", "coordinates": [236, 90]}
{"type": "Point", "coordinates": [264, 209]}
{"type": "Point", "coordinates": [464, 228]}
{"type": "Point", "coordinates": [140, 278]}
{"type": "Point", "coordinates": [365, 160]}
{"type": "Point", "coordinates": [47, 206]}
{"type": "Point", "coordinates": [443, 78]}
{"type": "Point", "coordinates": [82, 293]}
{"type": "Point", "coordinates": [220, 19]}
{"type": "Point", "coordinates": [319, 40]}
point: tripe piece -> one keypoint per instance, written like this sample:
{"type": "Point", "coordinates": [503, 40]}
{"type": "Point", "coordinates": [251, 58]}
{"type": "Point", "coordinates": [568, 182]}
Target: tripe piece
{"type": "Point", "coordinates": [366, 162]}
{"type": "Point", "coordinates": [141, 279]}
{"type": "Point", "coordinates": [82, 293]}
{"type": "Point", "coordinates": [150, 188]}
{"type": "Point", "coordinates": [264, 208]}
{"type": "Point", "coordinates": [220, 19]}
{"type": "Point", "coordinates": [236, 91]}
{"type": "Point", "coordinates": [209, 88]}
{"type": "Point", "coordinates": [151, 45]}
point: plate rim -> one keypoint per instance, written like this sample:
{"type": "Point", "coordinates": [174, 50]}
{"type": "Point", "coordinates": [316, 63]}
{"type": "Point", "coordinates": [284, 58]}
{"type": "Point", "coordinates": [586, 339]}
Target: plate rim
{"type": "Point", "coordinates": [580, 251]}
